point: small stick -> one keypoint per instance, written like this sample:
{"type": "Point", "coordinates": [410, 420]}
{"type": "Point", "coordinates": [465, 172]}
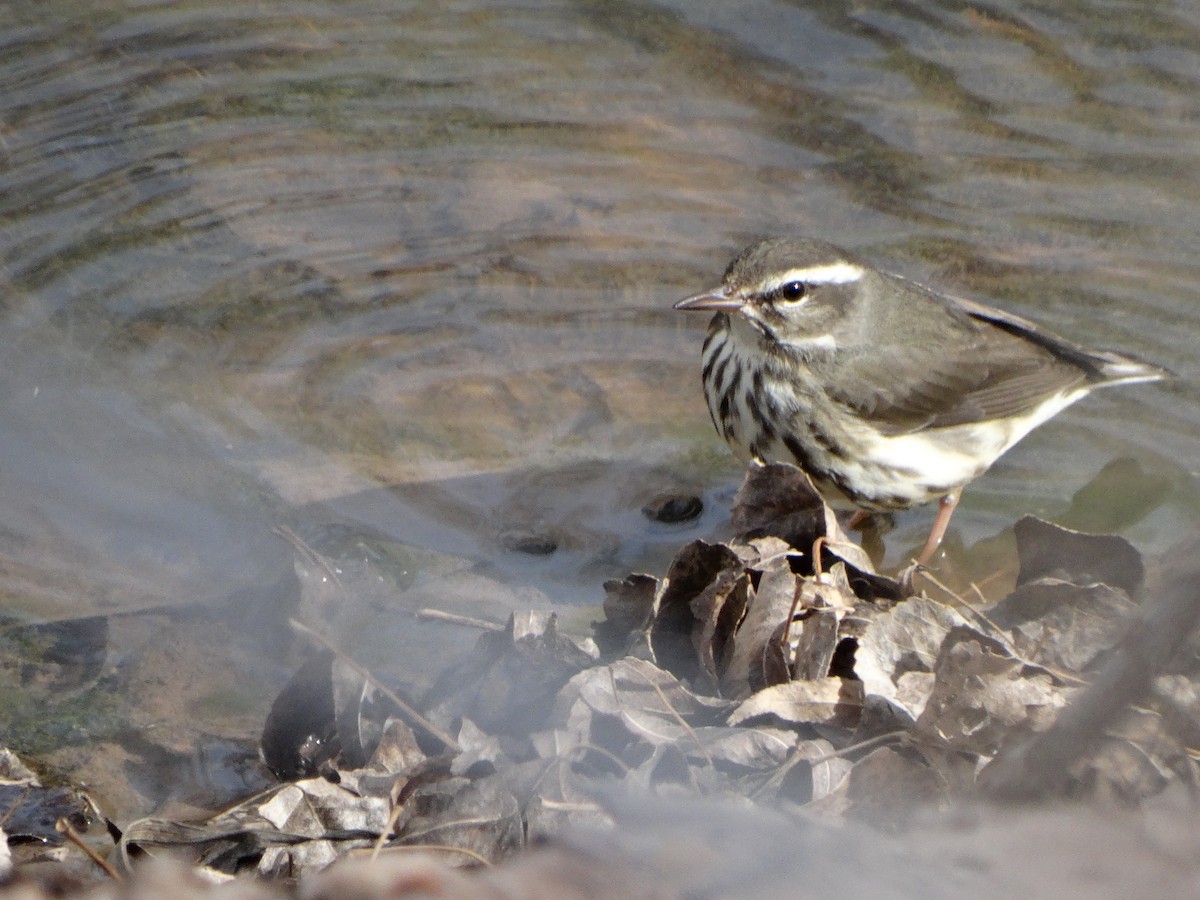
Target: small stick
{"type": "Point", "coordinates": [456, 619]}
{"type": "Point", "coordinates": [63, 827]}
{"type": "Point", "coordinates": [818, 546]}
{"type": "Point", "coordinates": [450, 742]}
{"type": "Point", "coordinates": [441, 848]}
{"type": "Point", "coordinates": [795, 758]}
{"type": "Point", "coordinates": [682, 722]}
{"type": "Point", "coordinates": [289, 535]}
{"type": "Point", "coordinates": [15, 805]}
{"type": "Point", "coordinates": [1002, 636]}
{"type": "Point", "coordinates": [387, 829]}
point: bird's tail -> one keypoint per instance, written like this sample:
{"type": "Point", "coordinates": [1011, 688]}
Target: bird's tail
{"type": "Point", "coordinates": [1117, 368]}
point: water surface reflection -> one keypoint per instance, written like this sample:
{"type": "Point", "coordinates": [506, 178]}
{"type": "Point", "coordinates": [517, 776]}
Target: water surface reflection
{"type": "Point", "coordinates": [399, 276]}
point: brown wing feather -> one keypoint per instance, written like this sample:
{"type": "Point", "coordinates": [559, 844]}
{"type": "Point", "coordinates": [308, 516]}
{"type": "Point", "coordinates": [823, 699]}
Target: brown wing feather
{"type": "Point", "coordinates": [992, 375]}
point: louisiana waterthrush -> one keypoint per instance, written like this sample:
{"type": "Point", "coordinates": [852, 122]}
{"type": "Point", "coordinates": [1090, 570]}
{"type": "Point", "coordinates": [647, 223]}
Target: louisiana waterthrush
{"type": "Point", "coordinates": [882, 390]}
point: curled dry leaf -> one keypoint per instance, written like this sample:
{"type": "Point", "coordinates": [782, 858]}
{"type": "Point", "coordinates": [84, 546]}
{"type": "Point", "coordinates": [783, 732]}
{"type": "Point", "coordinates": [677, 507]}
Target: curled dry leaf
{"type": "Point", "coordinates": [718, 610]}
{"type": "Point", "coordinates": [1073, 596]}
{"type": "Point", "coordinates": [301, 827]}
{"type": "Point", "coordinates": [761, 552]}
{"type": "Point", "coordinates": [1045, 764]}
{"type": "Point", "coordinates": [1062, 625]}
{"type": "Point", "coordinates": [757, 657]}
{"type": "Point", "coordinates": [696, 566]}
{"type": "Point", "coordinates": [650, 704]}
{"type": "Point", "coordinates": [902, 640]}
{"type": "Point", "coordinates": [1138, 758]}
{"type": "Point", "coordinates": [509, 683]}
{"type": "Point", "coordinates": [886, 788]}
{"type": "Point", "coordinates": [982, 696]}
{"type": "Point", "coordinates": [823, 604]}
{"type": "Point", "coordinates": [780, 501]}
{"type": "Point", "coordinates": [481, 816]}
{"type": "Point", "coordinates": [816, 644]}
{"type": "Point", "coordinates": [1047, 550]}
{"type": "Point", "coordinates": [826, 701]}
{"type": "Point", "coordinates": [628, 610]}
{"type": "Point", "coordinates": [756, 749]}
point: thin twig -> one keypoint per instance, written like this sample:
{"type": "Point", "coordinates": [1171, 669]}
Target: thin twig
{"type": "Point", "coordinates": [553, 765]}
{"type": "Point", "coordinates": [786, 640]}
{"type": "Point", "coordinates": [818, 578]}
{"type": "Point", "coordinates": [564, 806]}
{"type": "Point", "coordinates": [441, 848]}
{"type": "Point", "coordinates": [65, 828]}
{"type": "Point", "coordinates": [603, 751]}
{"type": "Point", "coordinates": [999, 634]}
{"type": "Point", "coordinates": [996, 574]}
{"type": "Point", "coordinates": [683, 722]}
{"type": "Point", "coordinates": [303, 547]}
{"type": "Point", "coordinates": [456, 619]}
{"type": "Point", "coordinates": [854, 748]}
{"type": "Point", "coordinates": [415, 716]}
{"type": "Point", "coordinates": [818, 546]}
{"type": "Point", "coordinates": [796, 758]}
{"type": "Point", "coordinates": [671, 709]}
{"type": "Point", "coordinates": [387, 829]}
{"type": "Point", "coordinates": [16, 804]}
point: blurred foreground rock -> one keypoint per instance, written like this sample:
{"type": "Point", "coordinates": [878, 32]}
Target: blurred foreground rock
{"type": "Point", "coordinates": [688, 848]}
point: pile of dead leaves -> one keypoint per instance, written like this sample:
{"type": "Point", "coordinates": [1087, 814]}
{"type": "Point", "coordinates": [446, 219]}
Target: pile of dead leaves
{"type": "Point", "coordinates": [777, 667]}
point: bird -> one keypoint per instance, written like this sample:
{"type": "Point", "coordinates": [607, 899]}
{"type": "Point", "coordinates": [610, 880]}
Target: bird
{"type": "Point", "coordinates": [887, 393]}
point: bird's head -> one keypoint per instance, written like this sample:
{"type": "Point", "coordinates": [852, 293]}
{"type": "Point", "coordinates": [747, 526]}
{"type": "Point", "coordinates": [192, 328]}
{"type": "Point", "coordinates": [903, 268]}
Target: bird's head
{"type": "Point", "coordinates": [792, 291]}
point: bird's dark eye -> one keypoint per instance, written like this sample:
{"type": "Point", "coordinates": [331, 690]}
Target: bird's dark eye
{"type": "Point", "coordinates": [792, 291]}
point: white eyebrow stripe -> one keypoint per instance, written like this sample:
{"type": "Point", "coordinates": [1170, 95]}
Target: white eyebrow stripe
{"type": "Point", "coordinates": [822, 342]}
{"type": "Point", "coordinates": [834, 273]}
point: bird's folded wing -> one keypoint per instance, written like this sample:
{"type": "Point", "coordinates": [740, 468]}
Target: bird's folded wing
{"type": "Point", "coordinates": [992, 379]}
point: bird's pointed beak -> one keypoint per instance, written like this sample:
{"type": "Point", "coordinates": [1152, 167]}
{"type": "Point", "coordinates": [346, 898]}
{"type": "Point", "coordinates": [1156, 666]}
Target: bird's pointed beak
{"type": "Point", "coordinates": [711, 301]}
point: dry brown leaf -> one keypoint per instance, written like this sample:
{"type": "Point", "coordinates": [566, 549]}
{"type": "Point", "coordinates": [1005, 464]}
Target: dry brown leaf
{"type": "Point", "coordinates": [982, 696]}
{"type": "Point", "coordinates": [757, 655]}
{"type": "Point", "coordinates": [906, 638]}
{"type": "Point", "coordinates": [887, 787]}
{"type": "Point", "coordinates": [1062, 625]}
{"type": "Point", "coordinates": [1047, 550]}
{"type": "Point", "coordinates": [694, 568]}
{"type": "Point", "coordinates": [825, 701]}
{"type": "Point", "coordinates": [823, 604]}
{"type": "Point", "coordinates": [780, 501]}
{"type": "Point", "coordinates": [718, 610]}
{"type": "Point", "coordinates": [628, 610]}
{"type": "Point", "coordinates": [651, 704]}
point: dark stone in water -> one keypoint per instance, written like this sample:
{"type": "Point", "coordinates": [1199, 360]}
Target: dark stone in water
{"type": "Point", "coordinates": [671, 509]}
{"type": "Point", "coordinates": [533, 543]}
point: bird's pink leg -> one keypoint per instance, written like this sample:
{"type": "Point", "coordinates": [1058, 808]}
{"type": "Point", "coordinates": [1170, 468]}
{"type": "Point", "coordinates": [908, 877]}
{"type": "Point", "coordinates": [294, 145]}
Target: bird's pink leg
{"type": "Point", "coordinates": [945, 511]}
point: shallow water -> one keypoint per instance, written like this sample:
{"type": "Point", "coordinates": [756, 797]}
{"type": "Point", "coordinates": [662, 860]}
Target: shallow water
{"type": "Point", "coordinates": [398, 276]}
